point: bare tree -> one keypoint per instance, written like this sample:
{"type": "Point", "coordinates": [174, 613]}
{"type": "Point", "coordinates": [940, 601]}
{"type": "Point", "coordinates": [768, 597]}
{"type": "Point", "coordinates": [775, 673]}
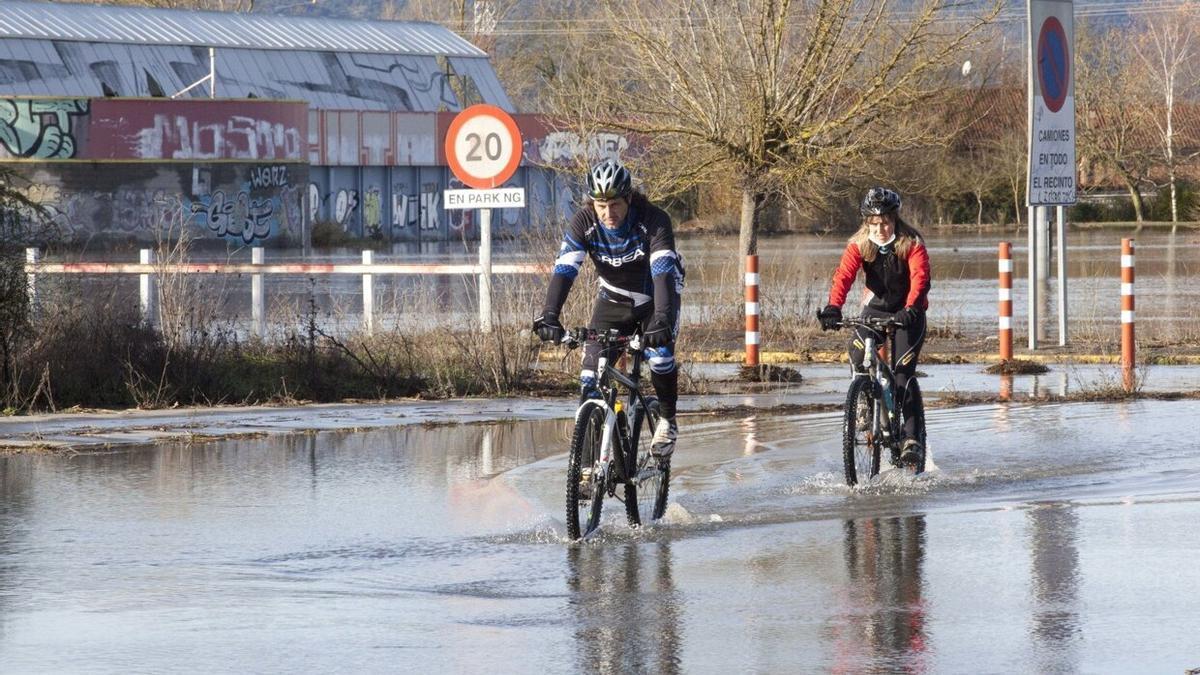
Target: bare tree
{"type": "Point", "coordinates": [767, 94]}
{"type": "Point", "coordinates": [1114, 126]}
{"type": "Point", "coordinates": [1168, 51]}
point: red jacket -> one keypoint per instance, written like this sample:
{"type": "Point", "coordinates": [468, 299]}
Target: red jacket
{"type": "Point", "coordinates": [894, 283]}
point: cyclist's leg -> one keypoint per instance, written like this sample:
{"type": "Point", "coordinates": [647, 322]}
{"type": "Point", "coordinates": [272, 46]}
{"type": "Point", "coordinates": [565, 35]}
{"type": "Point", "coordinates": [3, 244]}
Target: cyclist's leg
{"type": "Point", "coordinates": [908, 350]}
{"type": "Point", "coordinates": [664, 376]}
{"type": "Point", "coordinates": [607, 313]}
{"type": "Point", "coordinates": [858, 340]}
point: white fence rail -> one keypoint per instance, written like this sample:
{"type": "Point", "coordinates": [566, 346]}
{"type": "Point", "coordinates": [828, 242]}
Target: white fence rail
{"type": "Point", "coordinates": [148, 270]}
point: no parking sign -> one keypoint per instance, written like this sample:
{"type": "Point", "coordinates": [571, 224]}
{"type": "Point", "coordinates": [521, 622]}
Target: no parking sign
{"type": "Point", "coordinates": [1051, 103]}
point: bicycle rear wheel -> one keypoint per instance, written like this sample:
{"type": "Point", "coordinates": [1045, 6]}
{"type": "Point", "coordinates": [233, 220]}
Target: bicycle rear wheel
{"type": "Point", "coordinates": [653, 473]}
{"type": "Point", "coordinates": [860, 448]}
{"type": "Point", "coordinates": [585, 488]}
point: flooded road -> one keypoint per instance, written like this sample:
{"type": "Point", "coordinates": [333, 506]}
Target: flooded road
{"type": "Point", "coordinates": [1056, 538]}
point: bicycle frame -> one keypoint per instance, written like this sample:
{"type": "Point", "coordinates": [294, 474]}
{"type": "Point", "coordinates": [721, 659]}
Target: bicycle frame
{"type": "Point", "coordinates": [625, 439]}
{"type": "Point", "coordinates": [885, 417]}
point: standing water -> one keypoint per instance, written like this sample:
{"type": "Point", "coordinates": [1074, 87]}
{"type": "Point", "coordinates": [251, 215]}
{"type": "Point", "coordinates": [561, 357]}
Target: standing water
{"type": "Point", "coordinates": [1050, 539]}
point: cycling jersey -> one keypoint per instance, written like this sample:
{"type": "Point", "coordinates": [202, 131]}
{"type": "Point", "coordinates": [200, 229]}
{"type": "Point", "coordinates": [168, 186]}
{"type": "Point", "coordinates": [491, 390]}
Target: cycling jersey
{"type": "Point", "coordinates": [893, 282]}
{"type": "Point", "coordinates": [637, 262]}
{"type": "Point", "coordinates": [641, 275]}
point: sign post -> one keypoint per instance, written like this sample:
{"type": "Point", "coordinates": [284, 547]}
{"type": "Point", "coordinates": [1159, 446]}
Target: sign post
{"type": "Point", "coordinates": [483, 149]}
{"type": "Point", "coordinates": [1051, 166]}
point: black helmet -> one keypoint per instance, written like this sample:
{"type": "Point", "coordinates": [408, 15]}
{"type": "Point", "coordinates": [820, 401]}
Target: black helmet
{"type": "Point", "coordinates": [609, 180]}
{"type": "Point", "coordinates": [880, 201]}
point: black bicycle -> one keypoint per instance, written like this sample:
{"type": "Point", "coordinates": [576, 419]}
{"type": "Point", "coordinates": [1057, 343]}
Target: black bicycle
{"type": "Point", "coordinates": [874, 418]}
{"type": "Point", "coordinates": [610, 447]}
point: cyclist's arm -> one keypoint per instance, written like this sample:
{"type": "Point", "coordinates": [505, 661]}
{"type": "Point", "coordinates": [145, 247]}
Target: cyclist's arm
{"type": "Point", "coordinates": [844, 275]}
{"type": "Point", "coordinates": [566, 266]}
{"type": "Point", "coordinates": [919, 277]}
{"type": "Point", "coordinates": [664, 260]}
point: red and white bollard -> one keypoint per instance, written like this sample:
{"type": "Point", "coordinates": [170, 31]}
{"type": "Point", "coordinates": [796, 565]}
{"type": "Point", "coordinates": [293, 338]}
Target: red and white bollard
{"type": "Point", "coordinates": [1006, 306]}
{"type": "Point", "coordinates": [1128, 346]}
{"type": "Point", "coordinates": [752, 310]}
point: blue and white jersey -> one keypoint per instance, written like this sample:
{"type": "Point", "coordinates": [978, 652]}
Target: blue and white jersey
{"type": "Point", "coordinates": [629, 258]}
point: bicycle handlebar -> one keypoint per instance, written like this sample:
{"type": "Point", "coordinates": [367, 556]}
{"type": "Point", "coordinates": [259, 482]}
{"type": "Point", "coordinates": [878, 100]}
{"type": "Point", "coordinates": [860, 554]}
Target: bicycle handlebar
{"type": "Point", "coordinates": [605, 338]}
{"type": "Point", "coordinates": [887, 325]}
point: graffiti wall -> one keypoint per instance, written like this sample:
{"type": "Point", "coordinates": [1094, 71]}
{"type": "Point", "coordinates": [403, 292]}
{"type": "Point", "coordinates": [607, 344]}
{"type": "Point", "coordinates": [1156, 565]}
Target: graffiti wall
{"type": "Point", "coordinates": [250, 204]}
{"type": "Point", "coordinates": [122, 170]}
{"type": "Point", "coordinates": [154, 129]}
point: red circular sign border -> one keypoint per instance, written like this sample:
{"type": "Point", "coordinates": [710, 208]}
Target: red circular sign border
{"type": "Point", "coordinates": [468, 114]}
{"type": "Point", "coordinates": [1053, 24]}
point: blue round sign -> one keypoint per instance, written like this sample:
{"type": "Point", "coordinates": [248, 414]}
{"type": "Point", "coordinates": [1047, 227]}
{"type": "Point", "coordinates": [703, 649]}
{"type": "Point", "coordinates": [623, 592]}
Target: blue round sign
{"type": "Point", "coordinates": [1054, 64]}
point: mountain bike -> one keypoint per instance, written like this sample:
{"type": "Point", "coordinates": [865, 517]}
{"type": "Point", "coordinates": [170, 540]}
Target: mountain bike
{"type": "Point", "coordinates": [610, 446]}
{"type": "Point", "coordinates": [874, 418]}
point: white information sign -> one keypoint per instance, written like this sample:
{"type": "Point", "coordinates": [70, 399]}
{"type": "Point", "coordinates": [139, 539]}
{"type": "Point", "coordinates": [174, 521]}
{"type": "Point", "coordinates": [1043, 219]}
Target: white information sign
{"type": "Point", "coordinates": [1052, 168]}
{"type": "Point", "coordinates": [498, 198]}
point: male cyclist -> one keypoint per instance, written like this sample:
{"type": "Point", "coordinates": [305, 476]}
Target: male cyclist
{"type": "Point", "coordinates": [632, 245]}
{"type": "Point", "coordinates": [895, 262]}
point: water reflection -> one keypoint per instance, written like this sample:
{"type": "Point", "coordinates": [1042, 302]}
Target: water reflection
{"type": "Point", "coordinates": [750, 435]}
{"type": "Point", "coordinates": [1055, 625]}
{"type": "Point", "coordinates": [625, 608]}
{"type": "Point", "coordinates": [883, 628]}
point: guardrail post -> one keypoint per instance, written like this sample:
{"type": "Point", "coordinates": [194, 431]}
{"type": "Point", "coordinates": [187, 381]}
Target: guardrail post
{"type": "Point", "coordinates": [257, 302]}
{"type": "Point", "coordinates": [32, 257]}
{"type": "Point", "coordinates": [752, 335]}
{"type": "Point", "coordinates": [1128, 345]}
{"type": "Point", "coordinates": [368, 294]}
{"type": "Point", "coordinates": [1006, 306]}
{"type": "Point", "coordinates": [147, 291]}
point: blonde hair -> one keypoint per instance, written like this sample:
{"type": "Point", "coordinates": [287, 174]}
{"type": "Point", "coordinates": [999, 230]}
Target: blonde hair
{"type": "Point", "coordinates": [906, 237]}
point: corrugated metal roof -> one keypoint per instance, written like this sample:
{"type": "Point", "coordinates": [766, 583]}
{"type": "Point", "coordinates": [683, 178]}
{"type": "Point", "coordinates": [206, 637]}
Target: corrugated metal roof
{"type": "Point", "coordinates": [146, 26]}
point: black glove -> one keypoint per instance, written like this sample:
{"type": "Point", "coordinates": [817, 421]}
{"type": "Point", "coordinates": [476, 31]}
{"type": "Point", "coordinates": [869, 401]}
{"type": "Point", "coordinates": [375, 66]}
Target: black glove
{"type": "Point", "coordinates": [659, 331]}
{"type": "Point", "coordinates": [548, 327]}
{"type": "Point", "coordinates": [907, 317]}
{"type": "Point", "coordinates": [830, 317]}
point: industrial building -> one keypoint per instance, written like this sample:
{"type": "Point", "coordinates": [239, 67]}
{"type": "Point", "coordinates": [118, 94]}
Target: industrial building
{"type": "Point", "coordinates": [120, 114]}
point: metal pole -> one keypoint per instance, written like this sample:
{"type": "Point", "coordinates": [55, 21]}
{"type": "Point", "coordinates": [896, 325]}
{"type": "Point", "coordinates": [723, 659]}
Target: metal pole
{"type": "Point", "coordinates": [485, 270]}
{"type": "Point", "coordinates": [368, 289]}
{"type": "Point", "coordinates": [212, 72]}
{"type": "Point", "coordinates": [257, 303]}
{"type": "Point", "coordinates": [1061, 237]}
{"type": "Point", "coordinates": [146, 287]}
{"type": "Point", "coordinates": [1033, 307]}
{"type": "Point", "coordinates": [752, 332]}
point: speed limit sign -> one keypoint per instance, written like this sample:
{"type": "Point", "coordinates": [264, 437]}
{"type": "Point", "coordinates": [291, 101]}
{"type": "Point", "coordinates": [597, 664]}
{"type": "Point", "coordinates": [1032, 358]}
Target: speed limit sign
{"type": "Point", "coordinates": [483, 146]}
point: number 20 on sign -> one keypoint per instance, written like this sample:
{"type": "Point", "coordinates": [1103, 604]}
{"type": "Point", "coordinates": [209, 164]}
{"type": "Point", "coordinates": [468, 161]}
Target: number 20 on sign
{"type": "Point", "coordinates": [483, 146]}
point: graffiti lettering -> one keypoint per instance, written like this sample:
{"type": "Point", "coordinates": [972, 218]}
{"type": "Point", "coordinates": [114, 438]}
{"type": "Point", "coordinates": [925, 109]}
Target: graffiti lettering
{"type": "Point", "coordinates": [344, 206]}
{"type": "Point", "coordinates": [126, 211]}
{"type": "Point", "coordinates": [565, 146]}
{"type": "Point", "coordinates": [174, 137]}
{"type": "Point", "coordinates": [314, 203]}
{"type": "Point", "coordinates": [429, 209]}
{"type": "Point", "coordinates": [242, 217]}
{"type": "Point", "coordinates": [39, 129]}
{"type": "Point", "coordinates": [373, 213]}
{"type": "Point", "coordinates": [269, 176]}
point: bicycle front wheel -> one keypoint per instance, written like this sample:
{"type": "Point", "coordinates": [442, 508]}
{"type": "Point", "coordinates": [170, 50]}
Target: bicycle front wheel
{"type": "Point", "coordinates": [585, 484]}
{"type": "Point", "coordinates": [653, 473]}
{"type": "Point", "coordinates": [860, 447]}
